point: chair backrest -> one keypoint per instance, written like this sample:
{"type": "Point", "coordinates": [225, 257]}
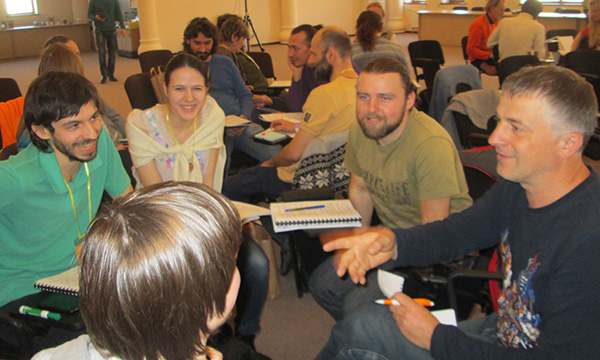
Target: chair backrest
{"type": "Point", "coordinates": [8, 151]}
{"type": "Point", "coordinates": [512, 64]}
{"type": "Point", "coordinates": [321, 165]}
{"type": "Point", "coordinates": [427, 55]}
{"type": "Point", "coordinates": [9, 89]}
{"type": "Point", "coordinates": [477, 8]}
{"type": "Point", "coordinates": [264, 62]}
{"type": "Point", "coordinates": [463, 42]}
{"type": "Point", "coordinates": [584, 61]}
{"type": "Point", "coordinates": [140, 91]}
{"type": "Point", "coordinates": [460, 8]}
{"type": "Point", "coordinates": [154, 58]}
{"type": "Point", "coordinates": [570, 11]}
{"type": "Point", "coordinates": [561, 32]}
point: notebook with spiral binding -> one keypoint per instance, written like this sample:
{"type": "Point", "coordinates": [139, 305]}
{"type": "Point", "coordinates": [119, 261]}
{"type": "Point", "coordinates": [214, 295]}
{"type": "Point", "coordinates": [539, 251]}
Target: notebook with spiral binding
{"type": "Point", "coordinates": [64, 283]}
{"type": "Point", "coordinates": [327, 214]}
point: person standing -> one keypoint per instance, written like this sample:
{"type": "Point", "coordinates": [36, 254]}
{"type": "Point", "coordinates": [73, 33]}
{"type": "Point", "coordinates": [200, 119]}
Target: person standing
{"type": "Point", "coordinates": [105, 14]}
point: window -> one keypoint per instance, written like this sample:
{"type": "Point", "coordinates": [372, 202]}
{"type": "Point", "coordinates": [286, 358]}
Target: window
{"type": "Point", "coordinates": [21, 7]}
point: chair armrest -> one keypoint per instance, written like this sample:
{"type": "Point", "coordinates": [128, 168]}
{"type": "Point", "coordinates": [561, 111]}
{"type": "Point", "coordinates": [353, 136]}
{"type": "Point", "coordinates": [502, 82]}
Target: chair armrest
{"type": "Point", "coordinates": [468, 273]}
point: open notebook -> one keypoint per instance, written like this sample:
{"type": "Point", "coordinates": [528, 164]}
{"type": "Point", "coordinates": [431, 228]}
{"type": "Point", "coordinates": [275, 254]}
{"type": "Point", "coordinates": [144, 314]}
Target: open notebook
{"type": "Point", "coordinates": [327, 214]}
{"type": "Point", "coordinates": [63, 283]}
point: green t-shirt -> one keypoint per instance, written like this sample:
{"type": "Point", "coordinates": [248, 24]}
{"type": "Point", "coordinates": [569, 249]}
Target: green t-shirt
{"type": "Point", "coordinates": [38, 233]}
{"type": "Point", "coordinates": [422, 164]}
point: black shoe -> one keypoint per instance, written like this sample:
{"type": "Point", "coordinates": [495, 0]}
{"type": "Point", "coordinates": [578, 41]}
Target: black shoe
{"type": "Point", "coordinates": [103, 80]}
{"type": "Point", "coordinates": [112, 78]}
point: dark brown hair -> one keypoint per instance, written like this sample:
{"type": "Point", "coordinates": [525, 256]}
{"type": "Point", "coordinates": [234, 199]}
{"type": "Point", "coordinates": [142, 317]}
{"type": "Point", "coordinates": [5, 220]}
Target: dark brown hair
{"type": "Point", "coordinates": [156, 266]}
{"type": "Point", "coordinates": [368, 24]}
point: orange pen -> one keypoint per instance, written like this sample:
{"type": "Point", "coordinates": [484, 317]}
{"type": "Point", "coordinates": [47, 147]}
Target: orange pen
{"type": "Point", "coordinates": [420, 301]}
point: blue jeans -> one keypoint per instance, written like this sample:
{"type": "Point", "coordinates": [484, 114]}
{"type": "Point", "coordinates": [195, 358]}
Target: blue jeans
{"type": "Point", "coordinates": [104, 40]}
{"type": "Point", "coordinates": [258, 179]}
{"type": "Point", "coordinates": [254, 270]}
{"type": "Point", "coordinates": [340, 296]}
{"type": "Point", "coordinates": [372, 333]}
{"type": "Point", "coordinates": [245, 143]}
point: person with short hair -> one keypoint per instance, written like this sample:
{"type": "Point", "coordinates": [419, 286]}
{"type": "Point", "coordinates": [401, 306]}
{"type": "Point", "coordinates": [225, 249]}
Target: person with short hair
{"type": "Point", "coordinates": [105, 14]}
{"type": "Point", "coordinates": [370, 45]}
{"type": "Point", "coordinates": [480, 30]}
{"type": "Point", "coordinates": [520, 35]}
{"type": "Point", "coordinates": [544, 213]}
{"type": "Point", "coordinates": [158, 275]}
{"type": "Point", "coordinates": [200, 38]}
{"type": "Point", "coordinates": [402, 164]}
{"type": "Point", "coordinates": [51, 191]}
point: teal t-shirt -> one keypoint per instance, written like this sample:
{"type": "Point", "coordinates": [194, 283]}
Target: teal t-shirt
{"type": "Point", "coordinates": [38, 233]}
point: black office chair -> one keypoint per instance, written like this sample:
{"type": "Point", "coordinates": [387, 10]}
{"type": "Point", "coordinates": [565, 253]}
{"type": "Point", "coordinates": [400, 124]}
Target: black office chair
{"type": "Point", "coordinates": [429, 57]}
{"type": "Point", "coordinates": [570, 11]}
{"type": "Point", "coordinates": [561, 32]}
{"type": "Point", "coordinates": [140, 91]}
{"type": "Point", "coordinates": [463, 42]}
{"type": "Point", "coordinates": [460, 8]}
{"type": "Point", "coordinates": [469, 135]}
{"type": "Point", "coordinates": [9, 89]}
{"type": "Point", "coordinates": [8, 151]}
{"type": "Point", "coordinates": [154, 58]}
{"type": "Point", "coordinates": [512, 64]}
{"type": "Point", "coordinates": [477, 8]}
{"type": "Point", "coordinates": [264, 62]}
{"type": "Point", "coordinates": [587, 64]}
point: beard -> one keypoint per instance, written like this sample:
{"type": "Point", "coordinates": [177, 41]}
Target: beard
{"type": "Point", "coordinates": [68, 151]}
{"type": "Point", "coordinates": [323, 70]}
{"type": "Point", "coordinates": [203, 55]}
{"type": "Point", "coordinates": [384, 129]}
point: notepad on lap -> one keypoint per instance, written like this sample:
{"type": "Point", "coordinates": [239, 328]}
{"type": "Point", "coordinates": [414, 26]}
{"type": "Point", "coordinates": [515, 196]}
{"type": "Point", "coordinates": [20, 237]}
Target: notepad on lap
{"type": "Point", "coordinates": [314, 215]}
{"type": "Point", "coordinates": [63, 283]}
{"type": "Point", "coordinates": [249, 212]}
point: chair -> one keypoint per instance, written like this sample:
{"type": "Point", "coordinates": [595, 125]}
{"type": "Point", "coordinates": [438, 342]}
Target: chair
{"type": "Point", "coordinates": [264, 62]}
{"type": "Point", "coordinates": [512, 64]}
{"type": "Point", "coordinates": [570, 11]}
{"type": "Point", "coordinates": [140, 91]}
{"type": "Point", "coordinates": [429, 57]}
{"type": "Point", "coordinates": [463, 42]}
{"type": "Point", "coordinates": [9, 89]}
{"type": "Point", "coordinates": [8, 151]}
{"type": "Point", "coordinates": [154, 58]}
{"type": "Point", "coordinates": [587, 64]}
{"type": "Point", "coordinates": [477, 8]}
{"type": "Point", "coordinates": [561, 32]}
{"type": "Point", "coordinates": [460, 8]}
{"type": "Point", "coordinates": [448, 82]}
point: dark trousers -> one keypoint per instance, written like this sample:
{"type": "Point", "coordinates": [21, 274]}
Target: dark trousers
{"type": "Point", "coordinates": [107, 40]}
{"type": "Point", "coordinates": [259, 179]}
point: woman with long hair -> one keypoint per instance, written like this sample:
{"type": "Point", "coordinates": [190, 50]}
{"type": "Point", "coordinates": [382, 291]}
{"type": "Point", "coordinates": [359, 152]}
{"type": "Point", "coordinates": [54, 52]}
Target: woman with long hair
{"type": "Point", "coordinates": [370, 45]}
{"type": "Point", "coordinates": [589, 37]}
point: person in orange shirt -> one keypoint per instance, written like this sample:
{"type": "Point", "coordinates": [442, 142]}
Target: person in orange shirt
{"type": "Point", "coordinates": [479, 54]}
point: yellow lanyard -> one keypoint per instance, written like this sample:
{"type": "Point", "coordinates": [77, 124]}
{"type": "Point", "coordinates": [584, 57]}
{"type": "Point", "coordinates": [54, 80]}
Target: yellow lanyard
{"type": "Point", "coordinates": [89, 190]}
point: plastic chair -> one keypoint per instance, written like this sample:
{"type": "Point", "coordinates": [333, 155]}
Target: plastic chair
{"type": "Point", "coordinates": [463, 42]}
{"type": "Point", "coordinates": [587, 64]}
{"type": "Point", "coordinates": [140, 91]}
{"type": "Point", "coordinates": [429, 57]}
{"type": "Point", "coordinates": [561, 32]}
{"type": "Point", "coordinates": [512, 64]}
{"type": "Point", "coordinates": [154, 58]}
{"type": "Point", "coordinates": [477, 8]}
{"type": "Point", "coordinates": [9, 89]}
{"type": "Point", "coordinates": [264, 62]}
{"type": "Point", "coordinates": [460, 8]}
{"type": "Point", "coordinates": [570, 11]}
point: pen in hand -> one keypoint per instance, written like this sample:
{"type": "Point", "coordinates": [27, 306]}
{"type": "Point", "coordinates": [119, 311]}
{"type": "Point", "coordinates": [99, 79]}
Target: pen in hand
{"type": "Point", "coordinates": [420, 301]}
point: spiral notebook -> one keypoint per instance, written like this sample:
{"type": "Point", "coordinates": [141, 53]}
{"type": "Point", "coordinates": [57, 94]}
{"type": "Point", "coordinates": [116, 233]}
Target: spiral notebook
{"type": "Point", "coordinates": [64, 283]}
{"type": "Point", "coordinates": [327, 214]}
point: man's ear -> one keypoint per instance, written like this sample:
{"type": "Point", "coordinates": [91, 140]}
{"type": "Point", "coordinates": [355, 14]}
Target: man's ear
{"type": "Point", "coordinates": [410, 100]}
{"type": "Point", "coordinates": [570, 144]}
{"type": "Point", "coordinates": [41, 131]}
{"type": "Point", "coordinates": [330, 54]}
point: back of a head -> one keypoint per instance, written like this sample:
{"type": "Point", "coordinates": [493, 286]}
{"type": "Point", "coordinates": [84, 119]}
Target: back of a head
{"type": "Point", "coordinates": [57, 39]}
{"type": "Point", "coordinates": [337, 38]}
{"type": "Point", "coordinates": [156, 266]}
{"type": "Point", "coordinates": [532, 7]}
{"type": "Point", "coordinates": [53, 96]}
{"type": "Point", "coordinates": [234, 27]}
{"type": "Point", "coordinates": [368, 25]}
{"type": "Point", "coordinates": [386, 65]}
{"type": "Point", "coordinates": [376, 7]}
{"type": "Point", "coordinates": [57, 57]}
{"type": "Point", "coordinates": [222, 18]}
{"type": "Point", "coordinates": [200, 25]}
{"type": "Point", "coordinates": [570, 102]}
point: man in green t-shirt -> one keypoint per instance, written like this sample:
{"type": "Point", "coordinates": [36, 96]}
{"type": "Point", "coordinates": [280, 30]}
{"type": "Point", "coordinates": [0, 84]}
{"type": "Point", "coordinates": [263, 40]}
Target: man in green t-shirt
{"type": "Point", "coordinates": [402, 163]}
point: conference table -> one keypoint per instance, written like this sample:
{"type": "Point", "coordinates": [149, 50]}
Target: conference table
{"type": "Point", "coordinates": [449, 26]}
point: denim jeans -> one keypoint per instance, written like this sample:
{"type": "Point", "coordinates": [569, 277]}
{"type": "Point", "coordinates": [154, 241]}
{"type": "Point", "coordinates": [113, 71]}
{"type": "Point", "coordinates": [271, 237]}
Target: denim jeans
{"type": "Point", "coordinates": [254, 270]}
{"type": "Point", "coordinates": [107, 40]}
{"type": "Point", "coordinates": [340, 296]}
{"type": "Point", "coordinates": [372, 334]}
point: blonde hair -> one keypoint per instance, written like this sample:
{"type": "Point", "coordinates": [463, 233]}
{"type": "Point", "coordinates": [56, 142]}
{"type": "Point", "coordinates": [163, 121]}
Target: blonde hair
{"type": "Point", "coordinates": [594, 32]}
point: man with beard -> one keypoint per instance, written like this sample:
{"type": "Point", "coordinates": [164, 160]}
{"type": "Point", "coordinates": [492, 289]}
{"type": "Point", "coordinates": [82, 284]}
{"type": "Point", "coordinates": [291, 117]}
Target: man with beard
{"type": "Point", "coordinates": [329, 109]}
{"type": "Point", "coordinates": [227, 87]}
{"type": "Point", "coordinates": [51, 191]}
{"type": "Point", "coordinates": [403, 164]}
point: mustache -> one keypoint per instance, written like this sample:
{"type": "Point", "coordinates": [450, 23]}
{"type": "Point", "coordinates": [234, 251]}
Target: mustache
{"type": "Point", "coordinates": [85, 142]}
